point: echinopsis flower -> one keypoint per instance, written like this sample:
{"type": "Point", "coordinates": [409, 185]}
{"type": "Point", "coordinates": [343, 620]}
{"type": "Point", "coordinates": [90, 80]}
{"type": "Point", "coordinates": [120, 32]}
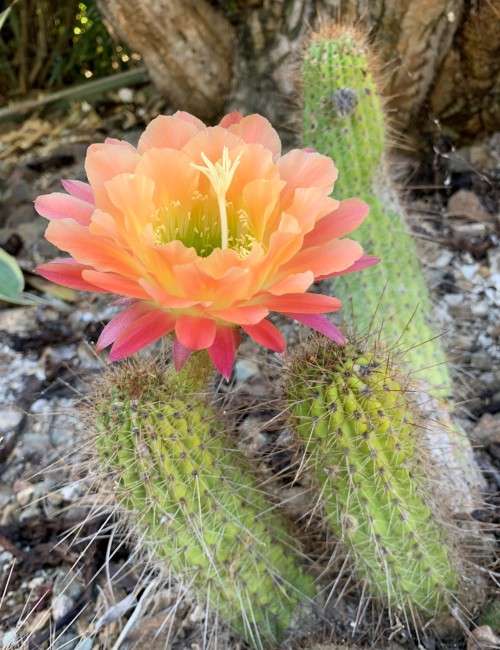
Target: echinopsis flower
{"type": "Point", "coordinates": [203, 231]}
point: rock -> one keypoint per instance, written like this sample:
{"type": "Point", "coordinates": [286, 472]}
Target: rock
{"type": "Point", "coordinates": [126, 95]}
{"type": "Point", "coordinates": [487, 428]}
{"type": "Point", "coordinates": [245, 370]}
{"type": "Point", "coordinates": [23, 214]}
{"type": "Point", "coordinates": [483, 638]}
{"type": "Point", "coordinates": [480, 309]}
{"type": "Point", "coordinates": [25, 495]}
{"type": "Point", "coordinates": [465, 203]}
{"type": "Point", "coordinates": [481, 361]}
{"type": "Point", "coordinates": [469, 270]}
{"type": "Point", "coordinates": [466, 230]}
{"type": "Point", "coordinates": [61, 605]}
{"type": "Point", "coordinates": [10, 418]}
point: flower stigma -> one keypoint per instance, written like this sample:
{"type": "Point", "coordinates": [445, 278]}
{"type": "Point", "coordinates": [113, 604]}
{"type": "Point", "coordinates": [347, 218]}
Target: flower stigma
{"type": "Point", "coordinates": [220, 176]}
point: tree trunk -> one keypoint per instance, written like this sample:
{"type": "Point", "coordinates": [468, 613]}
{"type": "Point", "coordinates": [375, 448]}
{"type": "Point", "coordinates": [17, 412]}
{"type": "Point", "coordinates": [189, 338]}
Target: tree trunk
{"type": "Point", "coordinates": [187, 47]}
{"type": "Point", "coordinates": [442, 56]}
{"type": "Point", "coordinates": [442, 60]}
{"type": "Point", "coordinates": [466, 92]}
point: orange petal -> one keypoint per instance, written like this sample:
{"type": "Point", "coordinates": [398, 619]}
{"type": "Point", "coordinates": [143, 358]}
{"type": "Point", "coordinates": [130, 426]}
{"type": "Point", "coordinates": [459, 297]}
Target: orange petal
{"type": "Point", "coordinates": [211, 142]}
{"type": "Point", "coordinates": [195, 332]}
{"type": "Point", "coordinates": [63, 206]}
{"type": "Point", "coordinates": [283, 245]}
{"type": "Point", "coordinates": [79, 189]}
{"type": "Point", "coordinates": [307, 169]}
{"type": "Point", "coordinates": [141, 333]}
{"type": "Point", "coordinates": [116, 284]}
{"type": "Point", "coordinates": [302, 303]}
{"type": "Point", "coordinates": [105, 161]}
{"type": "Point", "coordinates": [256, 162]}
{"type": "Point", "coordinates": [231, 118]}
{"type": "Point", "coordinates": [223, 349]}
{"type": "Point", "coordinates": [219, 262]}
{"type": "Point", "coordinates": [266, 334]}
{"type": "Point", "coordinates": [68, 273]}
{"type": "Point", "coordinates": [174, 177]}
{"type": "Point", "coordinates": [294, 283]}
{"type": "Point", "coordinates": [261, 201]}
{"type": "Point", "coordinates": [193, 282]}
{"type": "Point", "coordinates": [166, 300]}
{"type": "Point", "coordinates": [256, 129]}
{"type": "Point", "coordinates": [335, 256]}
{"type": "Point", "coordinates": [104, 224]}
{"type": "Point", "coordinates": [163, 261]}
{"type": "Point", "coordinates": [246, 315]}
{"type": "Point", "coordinates": [98, 252]}
{"type": "Point", "coordinates": [347, 217]}
{"type": "Point", "coordinates": [309, 205]}
{"type": "Point", "coordinates": [170, 131]}
{"type": "Point", "coordinates": [184, 116]}
{"type": "Point", "coordinates": [132, 194]}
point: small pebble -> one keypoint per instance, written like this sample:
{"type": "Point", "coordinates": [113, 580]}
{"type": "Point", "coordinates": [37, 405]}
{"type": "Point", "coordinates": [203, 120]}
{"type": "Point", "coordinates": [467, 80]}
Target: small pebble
{"type": "Point", "coordinates": [9, 639]}
{"type": "Point", "coordinates": [126, 95]}
{"type": "Point", "coordinates": [9, 419]}
{"type": "Point", "coordinates": [6, 557]}
{"type": "Point", "coordinates": [61, 605]}
{"type": "Point", "coordinates": [487, 425]}
{"type": "Point", "coordinates": [25, 495]}
{"type": "Point", "coordinates": [480, 309]}
{"type": "Point", "coordinates": [481, 361]}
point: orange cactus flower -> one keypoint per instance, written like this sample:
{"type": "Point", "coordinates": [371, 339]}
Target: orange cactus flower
{"type": "Point", "coordinates": [203, 231]}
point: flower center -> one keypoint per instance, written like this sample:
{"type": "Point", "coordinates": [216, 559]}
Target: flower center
{"type": "Point", "coordinates": [201, 223]}
{"type": "Point", "coordinates": [220, 176]}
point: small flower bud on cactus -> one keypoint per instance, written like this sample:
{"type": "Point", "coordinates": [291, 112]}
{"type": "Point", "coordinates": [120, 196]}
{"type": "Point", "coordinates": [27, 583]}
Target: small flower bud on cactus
{"type": "Point", "coordinates": [359, 433]}
{"type": "Point", "coordinates": [193, 502]}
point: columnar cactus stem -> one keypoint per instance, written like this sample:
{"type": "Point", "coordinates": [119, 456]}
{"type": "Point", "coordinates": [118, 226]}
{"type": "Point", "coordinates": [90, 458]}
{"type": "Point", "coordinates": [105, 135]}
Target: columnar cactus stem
{"type": "Point", "coordinates": [343, 117]}
{"type": "Point", "coordinates": [375, 495]}
{"type": "Point", "coordinates": [359, 433]}
{"type": "Point", "coordinates": [193, 500]}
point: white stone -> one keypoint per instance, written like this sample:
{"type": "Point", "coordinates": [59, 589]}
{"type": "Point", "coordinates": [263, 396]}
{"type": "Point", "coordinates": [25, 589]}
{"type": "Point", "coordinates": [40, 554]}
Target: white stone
{"type": "Point", "coordinates": [9, 419]}
{"type": "Point", "coordinates": [126, 95]}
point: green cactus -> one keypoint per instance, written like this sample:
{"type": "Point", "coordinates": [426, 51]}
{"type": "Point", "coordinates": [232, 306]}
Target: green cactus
{"type": "Point", "coordinates": [360, 436]}
{"type": "Point", "coordinates": [343, 117]}
{"type": "Point", "coordinates": [193, 499]}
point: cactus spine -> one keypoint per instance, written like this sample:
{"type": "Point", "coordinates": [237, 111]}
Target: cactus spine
{"type": "Point", "coordinates": [343, 118]}
{"type": "Point", "coordinates": [359, 433]}
{"type": "Point", "coordinates": [193, 502]}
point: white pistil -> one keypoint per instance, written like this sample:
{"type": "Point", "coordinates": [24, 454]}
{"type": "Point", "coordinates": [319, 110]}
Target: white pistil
{"type": "Point", "coordinates": [220, 176]}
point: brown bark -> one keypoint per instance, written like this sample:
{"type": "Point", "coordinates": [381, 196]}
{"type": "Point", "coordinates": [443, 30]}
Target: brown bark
{"type": "Point", "coordinates": [413, 38]}
{"type": "Point", "coordinates": [466, 93]}
{"type": "Point", "coordinates": [187, 47]}
{"type": "Point", "coordinates": [442, 57]}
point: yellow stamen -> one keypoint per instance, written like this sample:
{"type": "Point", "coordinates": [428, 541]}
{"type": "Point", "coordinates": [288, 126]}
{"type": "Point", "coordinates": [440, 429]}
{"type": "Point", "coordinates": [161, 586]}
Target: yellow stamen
{"type": "Point", "coordinates": [220, 176]}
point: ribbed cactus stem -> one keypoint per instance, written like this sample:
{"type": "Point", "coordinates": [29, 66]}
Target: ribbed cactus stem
{"type": "Point", "coordinates": [360, 436]}
{"type": "Point", "coordinates": [343, 117]}
{"type": "Point", "coordinates": [194, 502]}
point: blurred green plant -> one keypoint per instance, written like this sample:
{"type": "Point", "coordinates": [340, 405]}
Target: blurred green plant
{"type": "Point", "coordinates": [48, 44]}
{"type": "Point", "coordinates": [12, 282]}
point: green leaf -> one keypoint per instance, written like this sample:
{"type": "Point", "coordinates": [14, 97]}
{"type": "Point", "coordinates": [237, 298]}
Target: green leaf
{"type": "Point", "coordinates": [5, 14]}
{"type": "Point", "coordinates": [12, 282]}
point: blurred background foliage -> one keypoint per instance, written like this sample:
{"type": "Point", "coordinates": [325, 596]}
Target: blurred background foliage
{"type": "Point", "coordinates": [46, 45]}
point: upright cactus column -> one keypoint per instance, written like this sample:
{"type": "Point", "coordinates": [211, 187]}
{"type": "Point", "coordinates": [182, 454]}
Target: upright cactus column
{"type": "Point", "coordinates": [356, 424]}
{"type": "Point", "coordinates": [356, 427]}
{"type": "Point", "coordinates": [193, 501]}
{"type": "Point", "coordinates": [343, 117]}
